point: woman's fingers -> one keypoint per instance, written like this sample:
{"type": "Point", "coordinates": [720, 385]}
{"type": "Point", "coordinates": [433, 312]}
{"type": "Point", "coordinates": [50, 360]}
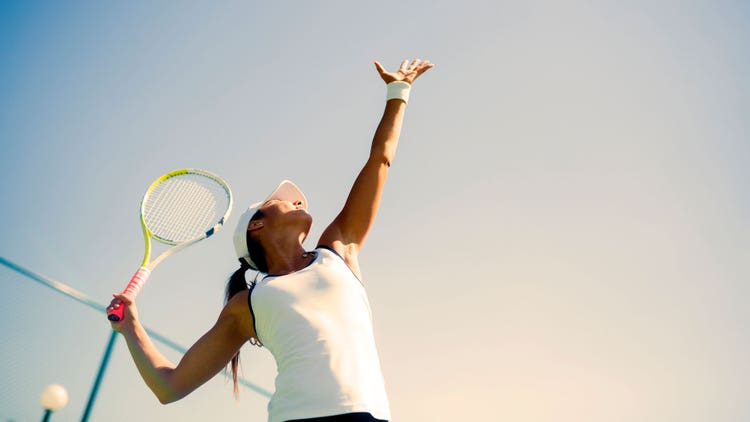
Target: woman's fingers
{"type": "Point", "coordinates": [407, 72]}
{"type": "Point", "coordinates": [379, 67]}
{"type": "Point", "coordinates": [424, 66]}
{"type": "Point", "coordinates": [119, 299]}
{"type": "Point", "coordinates": [404, 65]}
{"type": "Point", "coordinates": [127, 300]}
{"type": "Point", "coordinates": [114, 304]}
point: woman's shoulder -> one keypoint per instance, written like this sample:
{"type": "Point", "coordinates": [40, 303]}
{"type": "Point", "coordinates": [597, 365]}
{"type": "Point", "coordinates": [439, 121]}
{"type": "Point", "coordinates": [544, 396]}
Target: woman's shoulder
{"type": "Point", "coordinates": [237, 302]}
{"type": "Point", "coordinates": [237, 309]}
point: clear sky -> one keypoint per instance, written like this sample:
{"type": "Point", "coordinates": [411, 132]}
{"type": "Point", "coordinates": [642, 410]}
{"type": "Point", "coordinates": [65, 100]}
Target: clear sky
{"type": "Point", "coordinates": [564, 235]}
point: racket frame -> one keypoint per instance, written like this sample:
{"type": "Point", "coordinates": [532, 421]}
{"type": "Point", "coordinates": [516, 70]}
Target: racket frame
{"type": "Point", "coordinates": [177, 246]}
{"type": "Point", "coordinates": [141, 276]}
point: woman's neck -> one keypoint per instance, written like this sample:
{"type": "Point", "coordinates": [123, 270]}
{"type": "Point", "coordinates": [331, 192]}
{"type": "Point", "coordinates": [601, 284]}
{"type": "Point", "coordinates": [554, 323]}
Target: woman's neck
{"type": "Point", "coordinates": [285, 257]}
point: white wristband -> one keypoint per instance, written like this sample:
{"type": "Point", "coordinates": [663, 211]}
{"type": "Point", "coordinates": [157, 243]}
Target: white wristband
{"type": "Point", "coordinates": [398, 90]}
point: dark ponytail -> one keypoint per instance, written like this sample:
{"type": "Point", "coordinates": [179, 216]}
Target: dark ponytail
{"type": "Point", "coordinates": [236, 284]}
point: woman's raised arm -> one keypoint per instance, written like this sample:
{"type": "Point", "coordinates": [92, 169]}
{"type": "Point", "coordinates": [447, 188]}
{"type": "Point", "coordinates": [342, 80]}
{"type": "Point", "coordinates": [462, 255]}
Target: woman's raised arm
{"type": "Point", "coordinates": [348, 230]}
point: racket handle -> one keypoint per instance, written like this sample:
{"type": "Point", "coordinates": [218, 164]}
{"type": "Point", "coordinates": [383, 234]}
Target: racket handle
{"type": "Point", "coordinates": [132, 289]}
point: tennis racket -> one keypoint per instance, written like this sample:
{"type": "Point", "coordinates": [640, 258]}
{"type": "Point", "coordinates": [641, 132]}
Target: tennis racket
{"type": "Point", "coordinates": [180, 208]}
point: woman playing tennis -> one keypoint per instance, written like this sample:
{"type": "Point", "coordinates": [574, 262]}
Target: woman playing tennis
{"type": "Point", "coordinates": [309, 308]}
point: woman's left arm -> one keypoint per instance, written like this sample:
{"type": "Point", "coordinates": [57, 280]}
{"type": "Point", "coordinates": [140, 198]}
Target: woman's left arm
{"type": "Point", "coordinates": [211, 353]}
{"type": "Point", "coordinates": [348, 230]}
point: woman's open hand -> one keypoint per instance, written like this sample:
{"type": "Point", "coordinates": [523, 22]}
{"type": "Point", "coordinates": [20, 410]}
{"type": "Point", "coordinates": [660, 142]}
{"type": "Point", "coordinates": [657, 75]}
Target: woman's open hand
{"type": "Point", "coordinates": [406, 73]}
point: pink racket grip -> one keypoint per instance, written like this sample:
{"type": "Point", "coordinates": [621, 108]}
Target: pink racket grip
{"type": "Point", "coordinates": [132, 289]}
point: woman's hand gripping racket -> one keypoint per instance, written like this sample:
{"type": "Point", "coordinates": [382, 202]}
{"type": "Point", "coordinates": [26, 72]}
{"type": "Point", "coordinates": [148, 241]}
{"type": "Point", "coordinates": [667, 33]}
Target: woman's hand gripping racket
{"type": "Point", "coordinates": [180, 208]}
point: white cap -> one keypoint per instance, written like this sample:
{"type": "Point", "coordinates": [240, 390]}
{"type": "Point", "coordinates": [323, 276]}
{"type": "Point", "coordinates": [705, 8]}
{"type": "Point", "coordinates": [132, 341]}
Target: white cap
{"type": "Point", "coordinates": [286, 191]}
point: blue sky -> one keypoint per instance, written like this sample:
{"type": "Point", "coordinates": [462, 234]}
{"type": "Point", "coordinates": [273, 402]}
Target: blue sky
{"type": "Point", "coordinates": [564, 235]}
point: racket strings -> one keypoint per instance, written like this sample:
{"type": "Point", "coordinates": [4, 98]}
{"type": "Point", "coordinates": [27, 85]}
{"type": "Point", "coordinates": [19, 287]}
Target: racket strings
{"type": "Point", "coordinates": [184, 207]}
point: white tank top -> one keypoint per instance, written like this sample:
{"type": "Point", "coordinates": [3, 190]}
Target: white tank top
{"type": "Point", "coordinates": [317, 324]}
